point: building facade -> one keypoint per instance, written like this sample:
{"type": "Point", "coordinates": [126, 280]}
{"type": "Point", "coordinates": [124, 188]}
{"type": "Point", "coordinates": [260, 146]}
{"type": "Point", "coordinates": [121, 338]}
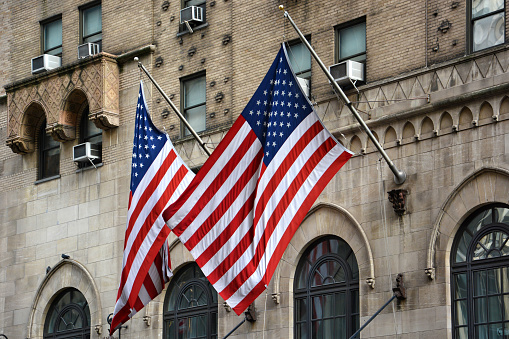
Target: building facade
{"type": "Point", "coordinates": [434, 91]}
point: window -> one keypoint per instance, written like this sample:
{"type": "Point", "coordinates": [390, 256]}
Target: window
{"type": "Point", "coordinates": [91, 25]}
{"type": "Point", "coordinates": [480, 275]}
{"type": "Point", "coordinates": [68, 316]}
{"type": "Point", "coordinates": [487, 23]}
{"type": "Point", "coordinates": [190, 306]}
{"type": "Point", "coordinates": [90, 133]}
{"type": "Point", "coordinates": [326, 291]}
{"type": "Point", "coordinates": [52, 37]}
{"type": "Point", "coordinates": [194, 103]}
{"type": "Point", "coordinates": [49, 154]}
{"type": "Point", "coordinates": [351, 41]}
{"type": "Point", "coordinates": [300, 59]}
{"type": "Point", "coordinates": [194, 24]}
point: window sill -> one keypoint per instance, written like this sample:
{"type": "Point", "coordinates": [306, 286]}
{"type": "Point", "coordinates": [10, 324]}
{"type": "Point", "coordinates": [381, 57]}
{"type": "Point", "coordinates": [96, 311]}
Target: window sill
{"type": "Point", "coordinates": [179, 34]}
{"type": "Point", "coordinates": [40, 181]}
{"type": "Point", "coordinates": [79, 170]}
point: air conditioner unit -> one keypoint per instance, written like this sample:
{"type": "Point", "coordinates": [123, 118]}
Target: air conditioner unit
{"type": "Point", "coordinates": [347, 71]}
{"type": "Point", "coordinates": [45, 62]}
{"type": "Point", "coordinates": [304, 85]}
{"type": "Point", "coordinates": [191, 13]}
{"type": "Point", "coordinates": [87, 50]}
{"type": "Point", "coordinates": [85, 152]}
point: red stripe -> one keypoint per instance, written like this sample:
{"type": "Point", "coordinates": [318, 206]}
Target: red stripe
{"type": "Point", "coordinates": [149, 190]}
{"type": "Point", "coordinates": [227, 201]}
{"type": "Point", "coordinates": [278, 212]}
{"type": "Point", "coordinates": [149, 222]}
{"type": "Point", "coordinates": [168, 213]}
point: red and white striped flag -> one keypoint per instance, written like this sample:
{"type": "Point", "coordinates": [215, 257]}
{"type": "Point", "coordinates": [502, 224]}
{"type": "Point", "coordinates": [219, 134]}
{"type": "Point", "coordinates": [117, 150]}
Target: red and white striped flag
{"type": "Point", "coordinates": [241, 210]}
{"type": "Point", "coordinates": [158, 177]}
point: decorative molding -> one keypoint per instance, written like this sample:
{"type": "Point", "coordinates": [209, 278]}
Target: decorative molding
{"type": "Point", "coordinates": [370, 282]}
{"type": "Point", "coordinates": [61, 132]}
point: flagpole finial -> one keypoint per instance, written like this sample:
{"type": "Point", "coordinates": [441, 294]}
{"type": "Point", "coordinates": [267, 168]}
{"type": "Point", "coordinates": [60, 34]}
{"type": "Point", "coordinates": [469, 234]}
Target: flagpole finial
{"type": "Point", "coordinates": [281, 7]}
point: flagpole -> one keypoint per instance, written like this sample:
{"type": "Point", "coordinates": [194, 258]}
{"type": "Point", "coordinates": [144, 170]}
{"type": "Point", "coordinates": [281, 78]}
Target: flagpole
{"type": "Point", "coordinates": [399, 176]}
{"type": "Point", "coordinates": [175, 109]}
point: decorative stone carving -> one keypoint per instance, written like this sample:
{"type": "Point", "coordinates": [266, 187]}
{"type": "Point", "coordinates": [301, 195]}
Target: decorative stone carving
{"type": "Point", "coordinates": [57, 96]}
{"type": "Point", "coordinates": [398, 200]}
{"type": "Point", "coordinates": [370, 282]}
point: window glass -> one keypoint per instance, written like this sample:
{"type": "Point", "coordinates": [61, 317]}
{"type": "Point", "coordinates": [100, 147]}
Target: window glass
{"type": "Point", "coordinates": [195, 103]}
{"type": "Point", "coordinates": [480, 264]}
{"type": "Point", "coordinates": [300, 59]}
{"type": "Point", "coordinates": [68, 316]}
{"type": "Point", "coordinates": [352, 42]}
{"type": "Point", "coordinates": [487, 23]}
{"type": "Point", "coordinates": [49, 154]}
{"type": "Point", "coordinates": [190, 306]}
{"type": "Point", "coordinates": [188, 3]}
{"type": "Point", "coordinates": [92, 25]}
{"type": "Point", "coordinates": [326, 291]}
{"type": "Point", "coordinates": [52, 36]}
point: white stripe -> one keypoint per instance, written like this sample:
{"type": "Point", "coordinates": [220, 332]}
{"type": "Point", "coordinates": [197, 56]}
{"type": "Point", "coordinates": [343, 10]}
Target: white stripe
{"type": "Point", "coordinates": [210, 176]}
{"type": "Point", "coordinates": [221, 193]}
{"type": "Point", "coordinates": [282, 225]}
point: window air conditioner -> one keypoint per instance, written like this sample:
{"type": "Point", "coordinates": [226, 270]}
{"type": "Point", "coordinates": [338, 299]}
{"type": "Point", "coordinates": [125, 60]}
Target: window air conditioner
{"type": "Point", "coordinates": [87, 50]}
{"type": "Point", "coordinates": [347, 71]}
{"type": "Point", "coordinates": [304, 85]}
{"type": "Point", "coordinates": [45, 62]}
{"type": "Point", "coordinates": [191, 13]}
{"type": "Point", "coordinates": [85, 152]}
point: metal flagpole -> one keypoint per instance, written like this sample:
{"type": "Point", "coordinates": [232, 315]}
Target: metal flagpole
{"type": "Point", "coordinates": [399, 176]}
{"type": "Point", "coordinates": [182, 118]}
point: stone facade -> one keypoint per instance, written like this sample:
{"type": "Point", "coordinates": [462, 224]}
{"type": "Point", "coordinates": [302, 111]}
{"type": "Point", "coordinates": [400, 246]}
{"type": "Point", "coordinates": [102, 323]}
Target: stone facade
{"type": "Point", "coordinates": [441, 113]}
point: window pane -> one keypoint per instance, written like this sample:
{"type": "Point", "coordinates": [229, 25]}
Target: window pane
{"type": "Point", "coordinates": [503, 215]}
{"type": "Point", "coordinates": [494, 281]}
{"type": "Point", "coordinates": [51, 164]}
{"type": "Point", "coordinates": [488, 31]}
{"type": "Point", "coordinates": [92, 22]}
{"type": "Point", "coordinates": [496, 330]}
{"type": "Point", "coordinates": [460, 287]}
{"type": "Point", "coordinates": [317, 308]}
{"type": "Point", "coordinates": [461, 312]}
{"type": "Point", "coordinates": [53, 35]}
{"type": "Point", "coordinates": [301, 331]}
{"type": "Point", "coordinates": [317, 330]}
{"type": "Point", "coordinates": [196, 118]}
{"type": "Point", "coordinates": [461, 252]}
{"type": "Point", "coordinates": [341, 304]}
{"type": "Point", "coordinates": [481, 7]}
{"type": "Point", "coordinates": [505, 279]}
{"type": "Point", "coordinates": [170, 329]}
{"type": "Point", "coordinates": [495, 308]}
{"type": "Point", "coordinates": [328, 306]}
{"type": "Point", "coordinates": [479, 283]}
{"type": "Point", "coordinates": [328, 328]}
{"type": "Point", "coordinates": [301, 308]}
{"type": "Point", "coordinates": [340, 328]}
{"type": "Point", "coordinates": [481, 332]}
{"type": "Point", "coordinates": [194, 92]}
{"type": "Point", "coordinates": [480, 309]}
{"type": "Point", "coordinates": [300, 58]}
{"type": "Point", "coordinates": [352, 40]}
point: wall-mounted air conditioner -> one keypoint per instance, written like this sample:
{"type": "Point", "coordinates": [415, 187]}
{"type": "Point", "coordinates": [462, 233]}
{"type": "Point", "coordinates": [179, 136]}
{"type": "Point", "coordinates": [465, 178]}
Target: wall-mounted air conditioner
{"type": "Point", "coordinates": [87, 50]}
{"type": "Point", "coordinates": [190, 14]}
{"type": "Point", "coordinates": [347, 71]}
{"type": "Point", "coordinates": [45, 62]}
{"type": "Point", "coordinates": [85, 152]}
{"type": "Point", "coordinates": [304, 85]}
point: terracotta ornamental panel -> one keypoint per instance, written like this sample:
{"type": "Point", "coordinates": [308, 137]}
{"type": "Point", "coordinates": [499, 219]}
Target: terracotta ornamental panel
{"type": "Point", "coordinates": [60, 96]}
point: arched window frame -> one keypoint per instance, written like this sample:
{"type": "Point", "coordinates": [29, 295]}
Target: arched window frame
{"type": "Point", "coordinates": [350, 288]}
{"type": "Point", "coordinates": [464, 286]}
{"type": "Point", "coordinates": [83, 312]}
{"type": "Point", "coordinates": [172, 318]}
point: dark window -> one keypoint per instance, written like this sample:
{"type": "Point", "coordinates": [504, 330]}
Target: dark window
{"type": "Point", "coordinates": [300, 59]}
{"type": "Point", "coordinates": [194, 24]}
{"type": "Point", "coordinates": [194, 103]}
{"type": "Point", "coordinates": [326, 291]}
{"type": "Point", "coordinates": [487, 23]}
{"type": "Point", "coordinates": [351, 41]}
{"type": "Point", "coordinates": [52, 36]}
{"type": "Point", "coordinates": [68, 316]}
{"type": "Point", "coordinates": [480, 275]}
{"type": "Point", "coordinates": [91, 25]}
{"type": "Point", "coordinates": [90, 133]}
{"type": "Point", "coordinates": [49, 154]}
{"type": "Point", "coordinates": [190, 306]}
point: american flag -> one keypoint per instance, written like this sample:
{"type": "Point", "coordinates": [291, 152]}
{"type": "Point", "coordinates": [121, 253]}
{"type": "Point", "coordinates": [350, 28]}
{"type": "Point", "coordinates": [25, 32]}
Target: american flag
{"type": "Point", "coordinates": [158, 177]}
{"type": "Point", "coordinates": [241, 210]}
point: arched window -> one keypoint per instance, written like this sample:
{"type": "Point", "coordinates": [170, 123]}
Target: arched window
{"type": "Point", "coordinates": [480, 275]}
{"type": "Point", "coordinates": [190, 306]}
{"type": "Point", "coordinates": [326, 291]}
{"type": "Point", "coordinates": [68, 316]}
{"type": "Point", "coordinates": [90, 133]}
{"type": "Point", "coordinates": [49, 154]}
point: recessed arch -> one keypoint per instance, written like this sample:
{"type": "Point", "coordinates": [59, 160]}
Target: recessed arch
{"type": "Point", "coordinates": [390, 135]}
{"type": "Point", "coordinates": [72, 106]}
{"type": "Point", "coordinates": [427, 126]}
{"type": "Point", "coordinates": [485, 186]}
{"type": "Point", "coordinates": [466, 117]}
{"type": "Point", "coordinates": [355, 144]}
{"type": "Point", "coordinates": [485, 111]}
{"type": "Point", "coordinates": [504, 106]}
{"type": "Point", "coordinates": [65, 274]}
{"type": "Point", "coordinates": [371, 146]}
{"type": "Point", "coordinates": [445, 121]}
{"type": "Point", "coordinates": [408, 130]}
{"type": "Point", "coordinates": [33, 115]}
